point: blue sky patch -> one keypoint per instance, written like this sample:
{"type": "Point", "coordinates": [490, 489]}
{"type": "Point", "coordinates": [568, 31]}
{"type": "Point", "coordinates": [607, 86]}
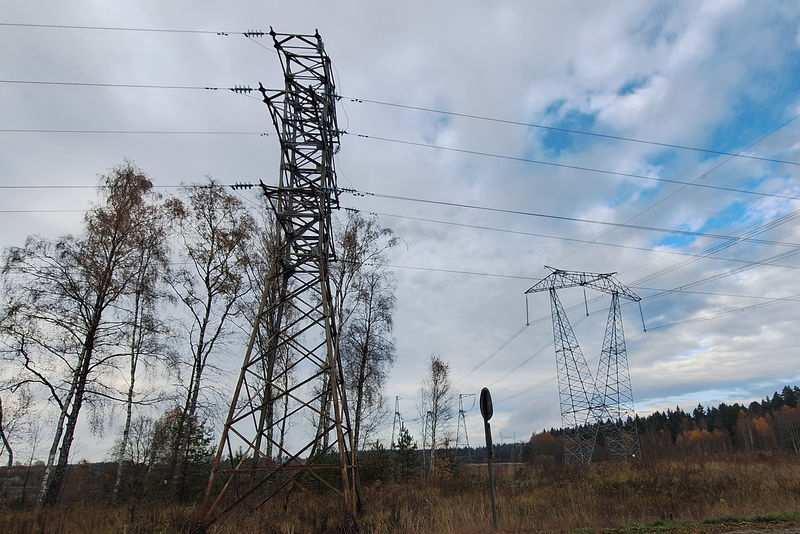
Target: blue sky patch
{"type": "Point", "coordinates": [725, 218]}
{"type": "Point", "coordinates": [630, 87]}
{"type": "Point", "coordinates": [760, 108]}
{"type": "Point", "coordinates": [554, 142]}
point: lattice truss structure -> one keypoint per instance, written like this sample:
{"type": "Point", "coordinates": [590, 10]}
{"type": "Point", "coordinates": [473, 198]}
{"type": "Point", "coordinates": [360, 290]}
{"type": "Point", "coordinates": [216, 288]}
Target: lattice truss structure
{"type": "Point", "coordinates": [599, 404]}
{"type": "Point", "coordinates": [462, 438]}
{"type": "Point", "coordinates": [288, 427]}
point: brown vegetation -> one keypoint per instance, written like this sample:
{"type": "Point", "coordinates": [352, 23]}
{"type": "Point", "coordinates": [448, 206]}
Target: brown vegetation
{"type": "Point", "coordinates": [660, 495]}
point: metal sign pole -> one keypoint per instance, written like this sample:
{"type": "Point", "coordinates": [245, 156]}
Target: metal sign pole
{"type": "Point", "coordinates": [487, 411]}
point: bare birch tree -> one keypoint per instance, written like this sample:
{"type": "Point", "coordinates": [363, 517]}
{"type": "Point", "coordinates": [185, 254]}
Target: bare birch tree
{"type": "Point", "coordinates": [143, 329]}
{"type": "Point", "coordinates": [13, 418]}
{"type": "Point", "coordinates": [215, 233]}
{"type": "Point", "coordinates": [361, 247]}
{"type": "Point", "coordinates": [57, 309]}
{"type": "Point", "coordinates": [368, 351]}
{"type": "Point", "coordinates": [436, 404]}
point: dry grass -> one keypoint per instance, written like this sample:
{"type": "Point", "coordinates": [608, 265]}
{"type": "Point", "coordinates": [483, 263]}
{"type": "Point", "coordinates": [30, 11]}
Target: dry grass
{"type": "Point", "coordinates": [656, 496]}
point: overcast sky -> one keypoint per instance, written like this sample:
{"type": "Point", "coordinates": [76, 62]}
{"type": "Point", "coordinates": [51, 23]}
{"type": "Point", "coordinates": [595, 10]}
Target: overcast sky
{"type": "Point", "coordinates": [719, 76]}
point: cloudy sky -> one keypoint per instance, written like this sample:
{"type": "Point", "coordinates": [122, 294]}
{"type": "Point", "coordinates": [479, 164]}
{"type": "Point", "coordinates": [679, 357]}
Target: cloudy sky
{"type": "Point", "coordinates": [673, 121]}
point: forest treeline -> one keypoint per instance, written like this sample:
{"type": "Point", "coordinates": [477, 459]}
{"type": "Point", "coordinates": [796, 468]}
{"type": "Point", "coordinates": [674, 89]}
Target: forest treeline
{"type": "Point", "coordinates": [772, 424]}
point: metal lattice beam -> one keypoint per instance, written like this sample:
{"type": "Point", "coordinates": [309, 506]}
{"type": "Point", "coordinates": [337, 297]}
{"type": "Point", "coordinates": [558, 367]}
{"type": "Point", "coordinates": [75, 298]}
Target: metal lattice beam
{"type": "Point", "coordinates": [613, 396]}
{"type": "Point", "coordinates": [575, 384]}
{"type": "Point", "coordinates": [265, 451]}
{"type": "Point", "coordinates": [605, 282]}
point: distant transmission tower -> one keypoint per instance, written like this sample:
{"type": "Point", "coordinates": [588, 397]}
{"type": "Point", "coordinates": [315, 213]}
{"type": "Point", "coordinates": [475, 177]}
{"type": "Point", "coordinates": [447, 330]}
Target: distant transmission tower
{"type": "Point", "coordinates": [603, 403]}
{"type": "Point", "coordinates": [307, 444]}
{"type": "Point", "coordinates": [462, 423]}
{"type": "Point", "coordinates": [397, 424]}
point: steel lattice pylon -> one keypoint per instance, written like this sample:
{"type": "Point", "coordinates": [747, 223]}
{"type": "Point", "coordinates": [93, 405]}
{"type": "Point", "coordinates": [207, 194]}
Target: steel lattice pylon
{"type": "Point", "coordinates": [307, 444]}
{"type": "Point", "coordinates": [462, 423]}
{"type": "Point", "coordinates": [602, 404]}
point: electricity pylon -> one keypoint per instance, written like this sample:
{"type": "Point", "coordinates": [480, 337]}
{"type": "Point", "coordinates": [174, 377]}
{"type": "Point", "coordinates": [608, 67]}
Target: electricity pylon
{"type": "Point", "coordinates": [397, 424]}
{"type": "Point", "coordinates": [603, 403]}
{"type": "Point", "coordinates": [308, 445]}
{"type": "Point", "coordinates": [462, 422]}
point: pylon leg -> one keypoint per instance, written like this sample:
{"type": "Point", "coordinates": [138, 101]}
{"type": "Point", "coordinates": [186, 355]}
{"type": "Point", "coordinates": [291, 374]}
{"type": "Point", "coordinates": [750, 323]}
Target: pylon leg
{"type": "Point", "coordinates": [574, 386]}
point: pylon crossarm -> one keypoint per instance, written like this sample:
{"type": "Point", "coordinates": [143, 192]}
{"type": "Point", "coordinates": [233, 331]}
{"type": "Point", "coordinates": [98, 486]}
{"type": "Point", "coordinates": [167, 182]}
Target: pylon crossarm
{"type": "Point", "coordinates": [604, 282]}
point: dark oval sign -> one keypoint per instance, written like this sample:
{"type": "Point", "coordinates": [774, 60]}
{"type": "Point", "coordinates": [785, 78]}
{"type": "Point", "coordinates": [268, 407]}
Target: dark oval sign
{"type": "Point", "coordinates": [486, 404]}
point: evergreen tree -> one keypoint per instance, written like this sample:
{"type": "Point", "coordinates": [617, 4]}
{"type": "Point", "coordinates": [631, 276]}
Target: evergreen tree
{"type": "Point", "coordinates": [405, 455]}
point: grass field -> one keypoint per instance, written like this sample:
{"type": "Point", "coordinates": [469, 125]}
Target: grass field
{"type": "Point", "coordinates": [691, 495]}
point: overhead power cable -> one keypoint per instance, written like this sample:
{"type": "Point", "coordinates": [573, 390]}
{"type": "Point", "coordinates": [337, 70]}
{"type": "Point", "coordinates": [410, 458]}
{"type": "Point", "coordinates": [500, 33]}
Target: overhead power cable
{"type": "Point", "coordinates": [754, 231]}
{"type": "Point", "coordinates": [43, 211]}
{"type": "Point", "coordinates": [717, 294]}
{"type": "Point", "coordinates": [457, 271]}
{"type": "Point", "coordinates": [257, 33]}
{"type": "Point", "coordinates": [114, 28]}
{"type": "Point", "coordinates": [355, 192]}
{"type": "Point", "coordinates": [131, 132]}
{"type": "Point", "coordinates": [566, 130]}
{"type": "Point", "coordinates": [239, 89]}
{"type": "Point", "coordinates": [697, 179]}
{"type": "Point", "coordinates": [563, 238]}
{"type": "Point", "coordinates": [571, 167]}
{"type": "Point", "coordinates": [724, 313]}
{"type": "Point", "coordinates": [499, 349]}
{"type": "Point", "coordinates": [565, 218]}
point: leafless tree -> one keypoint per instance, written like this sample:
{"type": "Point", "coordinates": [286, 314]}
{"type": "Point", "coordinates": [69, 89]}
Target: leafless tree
{"type": "Point", "coordinates": [143, 328]}
{"type": "Point", "coordinates": [14, 415]}
{"type": "Point", "coordinates": [57, 311]}
{"type": "Point", "coordinates": [437, 403]}
{"type": "Point", "coordinates": [368, 351]}
{"type": "Point", "coordinates": [363, 286]}
{"type": "Point", "coordinates": [215, 233]}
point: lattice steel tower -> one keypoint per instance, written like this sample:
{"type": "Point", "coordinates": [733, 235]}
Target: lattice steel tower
{"type": "Point", "coordinates": [599, 404]}
{"type": "Point", "coordinates": [462, 423]}
{"type": "Point", "coordinates": [288, 425]}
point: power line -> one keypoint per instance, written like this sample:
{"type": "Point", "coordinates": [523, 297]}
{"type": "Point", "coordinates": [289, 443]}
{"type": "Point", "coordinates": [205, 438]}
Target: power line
{"type": "Point", "coordinates": [565, 218]}
{"type": "Point", "coordinates": [131, 132]}
{"type": "Point", "coordinates": [726, 312]}
{"type": "Point", "coordinates": [115, 28]}
{"type": "Point", "coordinates": [717, 294]}
{"type": "Point", "coordinates": [246, 90]}
{"type": "Point", "coordinates": [567, 130]}
{"type": "Point", "coordinates": [771, 301]}
{"type": "Point", "coordinates": [239, 89]}
{"type": "Point", "coordinates": [457, 271]}
{"type": "Point", "coordinates": [497, 351]}
{"type": "Point", "coordinates": [72, 186]}
{"type": "Point", "coordinates": [719, 276]}
{"type": "Point", "coordinates": [496, 210]}
{"type": "Point", "coordinates": [703, 176]}
{"type": "Point", "coordinates": [568, 166]}
{"type": "Point", "coordinates": [712, 278]}
{"type": "Point", "coordinates": [257, 33]}
{"type": "Point", "coordinates": [754, 231]}
{"type": "Point", "coordinates": [507, 211]}
{"type": "Point", "coordinates": [562, 238]}
{"type": "Point", "coordinates": [43, 211]}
